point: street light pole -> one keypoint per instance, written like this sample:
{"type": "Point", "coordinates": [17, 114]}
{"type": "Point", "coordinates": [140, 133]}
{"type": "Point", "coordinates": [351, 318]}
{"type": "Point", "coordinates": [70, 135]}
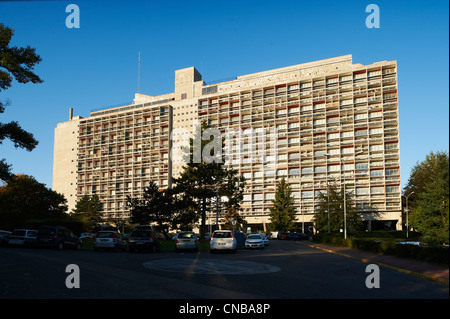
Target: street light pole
{"type": "Point", "coordinates": [407, 212]}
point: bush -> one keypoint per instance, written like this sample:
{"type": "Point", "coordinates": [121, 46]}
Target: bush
{"type": "Point", "coordinates": [386, 246]}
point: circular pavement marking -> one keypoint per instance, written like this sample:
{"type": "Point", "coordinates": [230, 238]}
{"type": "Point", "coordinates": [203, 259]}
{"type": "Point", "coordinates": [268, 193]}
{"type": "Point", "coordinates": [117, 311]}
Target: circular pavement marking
{"type": "Point", "coordinates": [211, 266]}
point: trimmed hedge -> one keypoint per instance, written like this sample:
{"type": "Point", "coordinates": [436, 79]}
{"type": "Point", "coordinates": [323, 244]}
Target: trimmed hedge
{"type": "Point", "coordinates": [387, 246]}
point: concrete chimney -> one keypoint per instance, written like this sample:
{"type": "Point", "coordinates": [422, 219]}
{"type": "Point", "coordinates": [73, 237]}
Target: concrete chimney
{"type": "Point", "coordinates": [70, 114]}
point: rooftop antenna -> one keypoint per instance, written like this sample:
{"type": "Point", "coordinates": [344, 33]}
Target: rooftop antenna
{"type": "Point", "coordinates": [139, 70]}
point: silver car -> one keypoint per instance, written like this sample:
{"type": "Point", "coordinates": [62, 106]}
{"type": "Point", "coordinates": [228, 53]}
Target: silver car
{"type": "Point", "coordinates": [109, 240]}
{"type": "Point", "coordinates": [186, 240]}
{"type": "Point", "coordinates": [223, 240]}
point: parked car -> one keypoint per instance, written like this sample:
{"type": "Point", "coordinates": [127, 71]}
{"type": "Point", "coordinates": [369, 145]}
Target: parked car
{"type": "Point", "coordinates": [143, 239]}
{"type": "Point", "coordinates": [300, 236]}
{"type": "Point", "coordinates": [265, 239]}
{"type": "Point", "coordinates": [223, 240]}
{"type": "Point", "coordinates": [58, 237]}
{"type": "Point", "coordinates": [108, 239]}
{"type": "Point", "coordinates": [414, 243]}
{"type": "Point", "coordinates": [254, 241]}
{"type": "Point", "coordinates": [282, 235]}
{"type": "Point", "coordinates": [22, 237]}
{"type": "Point", "coordinates": [186, 240]}
{"type": "Point", "coordinates": [4, 237]}
{"type": "Point", "coordinates": [87, 235]}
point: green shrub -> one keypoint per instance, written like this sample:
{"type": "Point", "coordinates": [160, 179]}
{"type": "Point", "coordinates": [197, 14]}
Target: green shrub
{"type": "Point", "coordinates": [386, 245]}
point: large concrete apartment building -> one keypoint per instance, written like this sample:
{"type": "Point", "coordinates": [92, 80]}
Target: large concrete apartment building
{"type": "Point", "coordinates": [328, 121]}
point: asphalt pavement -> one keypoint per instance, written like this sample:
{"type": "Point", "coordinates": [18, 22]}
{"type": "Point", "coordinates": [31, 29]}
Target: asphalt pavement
{"type": "Point", "coordinates": [285, 270]}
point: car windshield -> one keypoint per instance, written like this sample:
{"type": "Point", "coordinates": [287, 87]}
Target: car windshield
{"type": "Point", "coordinates": [222, 235]}
{"type": "Point", "coordinates": [186, 235]}
{"type": "Point", "coordinates": [141, 233]}
{"type": "Point", "coordinates": [105, 235]}
{"type": "Point", "coordinates": [254, 237]}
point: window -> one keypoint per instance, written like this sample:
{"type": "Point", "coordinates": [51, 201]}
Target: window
{"type": "Point", "coordinates": [258, 196]}
{"type": "Point", "coordinates": [362, 191]}
{"type": "Point", "coordinates": [270, 173]}
{"type": "Point", "coordinates": [374, 148]}
{"type": "Point", "coordinates": [376, 131]}
{"type": "Point", "coordinates": [334, 152]}
{"type": "Point", "coordinates": [319, 122]}
{"type": "Point", "coordinates": [333, 168]}
{"type": "Point", "coordinates": [348, 150]}
{"type": "Point", "coordinates": [209, 90]}
{"type": "Point", "coordinates": [390, 146]}
{"type": "Point", "coordinates": [307, 170]}
{"type": "Point", "coordinates": [307, 194]}
{"type": "Point", "coordinates": [377, 190]}
{"type": "Point", "coordinates": [320, 169]}
{"type": "Point", "coordinates": [282, 172]}
{"type": "Point", "coordinates": [294, 171]}
{"type": "Point", "coordinates": [375, 114]}
{"type": "Point", "coordinates": [360, 116]}
{"type": "Point", "coordinates": [390, 172]}
{"type": "Point", "coordinates": [348, 167]}
{"type": "Point", "coordinates": [333, 136]}
{"type": "Point", "coordinates": [347, 134]}
{"type": "Point", "coordinates": [392, 189]}
{"type": "Point", "coordinates": [362, 166]}
{"type": "Point", "coordinates": [270, 196]}
{"type": "Point", "coordinates": [257, 174]}
{"type": "Point", "coordinates": [376, 173]}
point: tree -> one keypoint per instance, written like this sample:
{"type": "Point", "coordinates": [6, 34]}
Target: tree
{"type": "Point", "coordinates": [164, 208]}
{"type": "Point", "coordinates": [23, 199]}
{"type": "Point", "coordinates": [18, 63]}
{"type": "Point", "coordinates": [335, 198]}
{"type": "Point", "coordinates": [233, 190]}
{"type": "Point", "coordinates": [429, 180]}
{"type": "Point", "coordinates": [282, 213]}
{"type": "Point", "coordinates": [88, 211]}
{"type": "Point", "coordinates": [205, 176]}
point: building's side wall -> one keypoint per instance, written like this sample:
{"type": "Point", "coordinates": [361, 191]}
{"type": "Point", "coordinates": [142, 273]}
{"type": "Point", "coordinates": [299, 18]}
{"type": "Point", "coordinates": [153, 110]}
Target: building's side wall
{"type": "Point", "coordinates": [65, 164]}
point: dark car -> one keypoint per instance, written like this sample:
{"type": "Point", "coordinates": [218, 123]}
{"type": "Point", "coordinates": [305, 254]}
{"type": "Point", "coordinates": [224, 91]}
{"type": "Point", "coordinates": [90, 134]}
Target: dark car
{"type": "Point", "coordinates": [282, 235]}
{"type": "Point", "coordinates": [143, 239]}
{"type": "Point", "coordinates": [300, 236]}
{"type": "Point", "coordinates": [4, 237]}
{"type": "Point", "coordinates": [58, 237]}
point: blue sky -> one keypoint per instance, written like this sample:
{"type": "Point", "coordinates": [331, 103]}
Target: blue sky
{"type": "Point", "coordinates": [96, 65]}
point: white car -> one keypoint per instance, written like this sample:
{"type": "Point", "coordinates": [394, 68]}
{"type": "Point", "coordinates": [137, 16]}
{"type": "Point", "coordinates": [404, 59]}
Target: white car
{"type": "Point", "coordinates": [254, 241]}
{"type": "Point", "coordinates": [265, 239]}
{"type": "Point", "coordinates": [223, 240]}
{"type": "Point", "coordinates": [186, 240]}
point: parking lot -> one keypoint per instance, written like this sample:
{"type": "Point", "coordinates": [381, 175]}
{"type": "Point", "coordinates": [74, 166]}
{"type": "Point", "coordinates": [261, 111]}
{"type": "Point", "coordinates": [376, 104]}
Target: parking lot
{"type": "Point", "coordinates": [283, 270]}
